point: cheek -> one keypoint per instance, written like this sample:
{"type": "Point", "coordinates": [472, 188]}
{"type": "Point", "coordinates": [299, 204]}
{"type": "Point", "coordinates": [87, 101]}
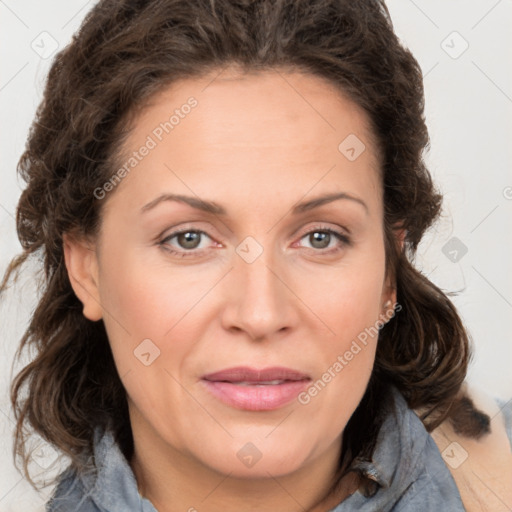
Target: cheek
{"type": "Point", "coordinates": [348, 299]}
{"type": "Point", "coordinates": [141, 303]}
{"type": "Point", "coordinates": [352, 311]}
{"type": "Point", "coordinates": [153, 323]}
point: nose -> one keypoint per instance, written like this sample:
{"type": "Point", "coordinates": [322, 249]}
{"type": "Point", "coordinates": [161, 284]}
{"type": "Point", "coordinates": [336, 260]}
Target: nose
{"type": "Point", "coordinates": [261, 302]}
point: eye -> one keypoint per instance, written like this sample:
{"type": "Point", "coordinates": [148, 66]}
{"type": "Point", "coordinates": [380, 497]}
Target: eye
{"type": "Point", "coordinates": [322, 238]}
{"type": "Point", "coordinates": [185, 241]}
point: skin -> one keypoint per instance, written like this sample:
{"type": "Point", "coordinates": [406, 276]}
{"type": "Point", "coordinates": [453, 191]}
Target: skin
{"type": "Point", "coordinates": [256, 145]}
{"type": "Point", "coordinates": [481, 468]}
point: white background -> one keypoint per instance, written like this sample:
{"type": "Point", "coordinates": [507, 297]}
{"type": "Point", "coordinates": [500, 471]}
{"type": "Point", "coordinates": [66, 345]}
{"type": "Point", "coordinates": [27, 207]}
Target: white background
{"type": "Point", "coordinates": [468, 110]}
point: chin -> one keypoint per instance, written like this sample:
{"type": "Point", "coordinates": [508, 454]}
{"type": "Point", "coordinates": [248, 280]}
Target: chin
{"type": "Point", "coordinates": [258, 459]}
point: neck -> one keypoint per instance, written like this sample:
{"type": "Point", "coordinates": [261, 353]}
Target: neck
{"type": "Point", "coordinates": [175, 481]}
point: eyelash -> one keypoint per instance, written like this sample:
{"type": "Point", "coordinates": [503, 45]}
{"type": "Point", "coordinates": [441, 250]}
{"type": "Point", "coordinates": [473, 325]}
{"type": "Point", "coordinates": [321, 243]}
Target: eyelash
{"type": "Point", "coordinates": [342, 238]}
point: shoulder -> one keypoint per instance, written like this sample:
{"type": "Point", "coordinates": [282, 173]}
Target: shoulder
{"type": "Point", "coordinates": [69, 492]}
{"type": "Point", "coordinates": [481, 468]}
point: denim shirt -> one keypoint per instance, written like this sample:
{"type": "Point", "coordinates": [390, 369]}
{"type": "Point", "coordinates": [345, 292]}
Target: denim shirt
{"type": "Point", "coordinates": [406, 464]}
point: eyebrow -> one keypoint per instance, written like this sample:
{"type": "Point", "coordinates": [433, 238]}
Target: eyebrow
{"type": "Point", "coordinates": [212, 207]}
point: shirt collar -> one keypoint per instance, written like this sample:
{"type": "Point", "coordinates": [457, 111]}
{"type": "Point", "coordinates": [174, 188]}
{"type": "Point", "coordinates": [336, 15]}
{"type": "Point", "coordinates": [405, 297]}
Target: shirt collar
{"type": "Point", "coordinates": [114, 487]}
{"type": "Point", "coordinates": [392, 439]}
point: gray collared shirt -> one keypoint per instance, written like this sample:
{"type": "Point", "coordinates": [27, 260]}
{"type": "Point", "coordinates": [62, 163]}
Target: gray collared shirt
{"type": "Point", "coordinates": [407, 465]}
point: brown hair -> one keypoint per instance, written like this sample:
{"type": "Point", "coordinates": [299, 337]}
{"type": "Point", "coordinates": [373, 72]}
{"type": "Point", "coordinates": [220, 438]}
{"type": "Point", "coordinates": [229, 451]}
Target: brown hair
{"type": "Point", "coordinates": [126, 51]}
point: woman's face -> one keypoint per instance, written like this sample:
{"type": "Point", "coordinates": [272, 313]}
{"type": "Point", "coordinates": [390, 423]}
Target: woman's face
{"type": "Point", "coordinates": [279, 269]}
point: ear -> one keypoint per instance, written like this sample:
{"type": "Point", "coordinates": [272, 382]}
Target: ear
{"type": "Point", "coordinates": [389, 298]}
{"type": "Point", "coordinates": [82, 265]}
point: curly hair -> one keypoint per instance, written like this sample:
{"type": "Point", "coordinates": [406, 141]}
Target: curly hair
{"type": "Point", "coordinates": [125, 52]}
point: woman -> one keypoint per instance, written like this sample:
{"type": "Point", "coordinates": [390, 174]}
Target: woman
{"type": "Point", "coordinates": [227, 197]}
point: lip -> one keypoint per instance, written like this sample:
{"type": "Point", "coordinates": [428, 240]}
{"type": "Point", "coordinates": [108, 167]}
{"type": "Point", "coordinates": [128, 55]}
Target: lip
{"type": "Point", "coordinates": [244, 388]}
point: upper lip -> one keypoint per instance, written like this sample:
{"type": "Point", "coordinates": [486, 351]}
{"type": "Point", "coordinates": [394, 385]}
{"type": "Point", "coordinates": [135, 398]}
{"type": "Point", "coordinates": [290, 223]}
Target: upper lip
{"type": "Point", "coordinates": [247, 374]}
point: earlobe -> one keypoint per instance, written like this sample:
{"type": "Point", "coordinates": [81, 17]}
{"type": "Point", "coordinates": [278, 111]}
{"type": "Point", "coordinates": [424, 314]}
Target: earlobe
{"type": "Point", "coordinates": [388, 307]}
{"type": "Point", "coordinates": [82, 267]}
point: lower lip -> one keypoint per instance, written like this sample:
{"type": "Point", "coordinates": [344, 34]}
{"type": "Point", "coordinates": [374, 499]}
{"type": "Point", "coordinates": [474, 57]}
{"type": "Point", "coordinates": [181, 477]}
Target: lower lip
{"type": "Point", "coordinates": [254, 397]}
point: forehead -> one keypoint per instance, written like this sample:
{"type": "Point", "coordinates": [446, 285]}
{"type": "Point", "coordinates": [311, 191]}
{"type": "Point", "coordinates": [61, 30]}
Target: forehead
{"type": "Point", "coordinates": [266, 109]}
{"type": "Point", "coordinates": [249, 130]}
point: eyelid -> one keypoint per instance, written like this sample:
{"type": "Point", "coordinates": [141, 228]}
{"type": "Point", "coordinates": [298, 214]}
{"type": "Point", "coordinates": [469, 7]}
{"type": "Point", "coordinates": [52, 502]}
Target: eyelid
{"type": "Point", "coordinates": [183, 227]}
{"type": "Point", "coordinates": [324, 227]}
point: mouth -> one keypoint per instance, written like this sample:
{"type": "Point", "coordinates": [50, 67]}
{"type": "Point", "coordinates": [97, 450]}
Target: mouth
{"type": "Point", "coordinates": [256, 390]}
